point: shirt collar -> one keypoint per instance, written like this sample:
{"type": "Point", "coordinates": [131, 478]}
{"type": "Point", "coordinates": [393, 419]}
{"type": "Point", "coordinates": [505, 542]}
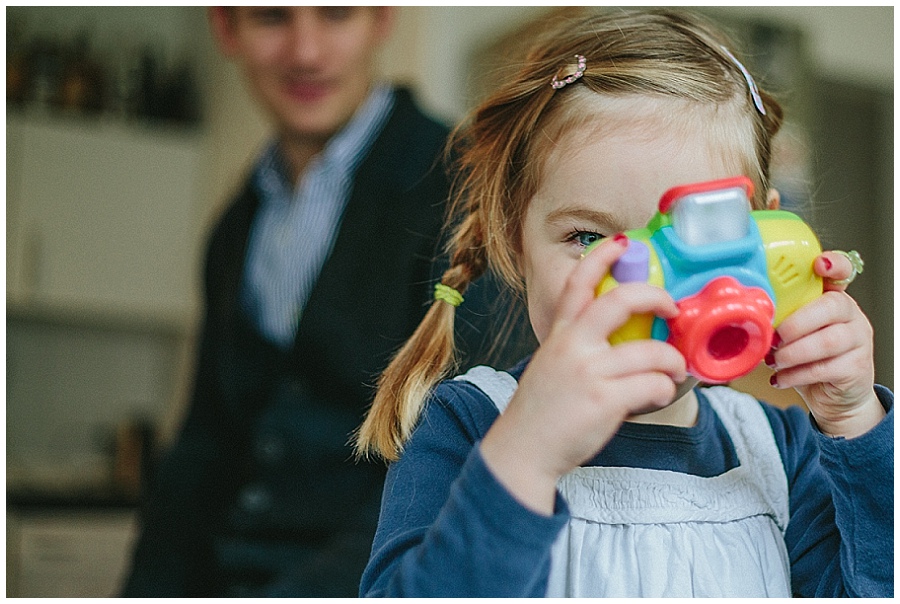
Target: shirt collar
{"type": "Point", "coordinates": [342, 152]}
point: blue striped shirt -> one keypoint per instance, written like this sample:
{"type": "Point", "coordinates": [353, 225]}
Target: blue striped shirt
{"type": "Point", "coordinates": [296, 225]}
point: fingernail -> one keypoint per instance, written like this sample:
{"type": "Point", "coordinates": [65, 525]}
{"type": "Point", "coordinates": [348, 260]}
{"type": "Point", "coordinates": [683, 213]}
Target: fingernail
{"type": "Point", "coordinates": [620, 238]}
{"type": "Point", "coordinates": [827, 263]}
{"type": "Point", "coordinates": [770, 360]}
{"type": "Point", "coordinates": [773, 380]}
{"type": "Point", "coordinates": [776, 340]}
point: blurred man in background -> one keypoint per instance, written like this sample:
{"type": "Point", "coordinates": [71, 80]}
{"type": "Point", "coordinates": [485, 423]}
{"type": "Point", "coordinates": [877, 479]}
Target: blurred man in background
{"type": "Point", "coordinates": [316, 273]}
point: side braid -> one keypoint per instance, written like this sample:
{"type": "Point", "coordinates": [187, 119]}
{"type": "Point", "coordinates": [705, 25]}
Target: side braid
{"type": "Point", "coordinates": [427, 357]}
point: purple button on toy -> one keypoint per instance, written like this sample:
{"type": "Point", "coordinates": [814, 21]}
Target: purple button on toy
{"type": "Point", "coordinates": [634, 264]}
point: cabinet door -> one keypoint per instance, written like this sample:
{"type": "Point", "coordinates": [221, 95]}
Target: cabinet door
{"type": "Point", "coordinates": [104, 217]}
{"type": "Point", "coordinates": [15, 277]}
{"type": "Point", "coordinates": [70, 555]}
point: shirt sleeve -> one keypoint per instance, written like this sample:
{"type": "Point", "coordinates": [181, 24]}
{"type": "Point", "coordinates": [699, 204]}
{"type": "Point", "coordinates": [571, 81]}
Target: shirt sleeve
{"type": "Point", "coordinates": [840, 534]}
{"type": "Point", "coordinates": [448, 528]}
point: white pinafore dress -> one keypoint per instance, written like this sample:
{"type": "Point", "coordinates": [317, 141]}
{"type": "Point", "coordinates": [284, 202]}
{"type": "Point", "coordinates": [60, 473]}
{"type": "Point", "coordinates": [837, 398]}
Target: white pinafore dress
{"type": "Point", "coordinates": [637, 532]}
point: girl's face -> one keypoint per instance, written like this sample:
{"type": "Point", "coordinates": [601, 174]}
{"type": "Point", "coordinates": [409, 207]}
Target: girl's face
{"type": "Point", "coordinates": [602, 179]}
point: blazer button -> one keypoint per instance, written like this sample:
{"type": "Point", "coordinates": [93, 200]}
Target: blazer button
{"type": "Point", "coordinates": [256, 499]}
{"type": "Point", "coordinates": [270, 449]}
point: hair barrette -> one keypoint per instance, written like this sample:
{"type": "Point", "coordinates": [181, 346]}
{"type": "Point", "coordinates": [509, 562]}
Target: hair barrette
{"type": "Point", "coordinates": [754, 91]}
{"type": "Point", "coordinates": [556, 83]}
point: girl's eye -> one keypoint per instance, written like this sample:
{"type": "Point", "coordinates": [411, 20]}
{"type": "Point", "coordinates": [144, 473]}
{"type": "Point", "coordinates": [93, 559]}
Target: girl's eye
{"type": "Point", "coordinates": [584, 238]}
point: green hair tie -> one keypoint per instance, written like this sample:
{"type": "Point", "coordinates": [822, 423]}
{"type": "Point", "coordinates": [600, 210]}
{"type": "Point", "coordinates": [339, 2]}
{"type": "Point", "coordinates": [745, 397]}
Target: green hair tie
{"type": "Point", "coordinates": [447, 294]}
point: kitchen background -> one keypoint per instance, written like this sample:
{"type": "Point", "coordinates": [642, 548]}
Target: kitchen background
{"type": "Point", "coordinates": [125, 132]}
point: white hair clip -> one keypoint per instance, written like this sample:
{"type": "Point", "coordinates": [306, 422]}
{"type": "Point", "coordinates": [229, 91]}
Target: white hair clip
{"type": "Point", "coordinates": [579, 71]}
{"type": "Point", "coordinates": [754, 91]}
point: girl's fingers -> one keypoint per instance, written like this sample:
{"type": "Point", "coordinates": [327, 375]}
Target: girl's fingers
{"type": "Point", "coordinates": [829, 341]}
{"type": "Point", "coordinates": [645, 392]}
{"type": "Point", "coordinates": [832, 341]}
{"type": "Point", "coordinates": [833, 267]}
{"type": "Point", "coordinates": [641, 357]}
{"type": "Point", "coordinates": [832, 307]}
{"type": "Point", "coordinates": [582, 283]}
{"type": "Point", "coordinates": [611, 310]}
{"type": "Point", "coordinates": [836, 372]}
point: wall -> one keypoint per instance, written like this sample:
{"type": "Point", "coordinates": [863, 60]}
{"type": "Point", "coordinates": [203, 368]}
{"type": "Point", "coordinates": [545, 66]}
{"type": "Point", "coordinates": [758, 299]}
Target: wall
{"type": "Point", "coordinates": [854, 44]}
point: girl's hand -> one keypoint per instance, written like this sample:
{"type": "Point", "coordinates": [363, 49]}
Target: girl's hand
{"type": "Point", "coordinates": [826, 352]}
{"type": "Point", "coordinates": [577, 389]}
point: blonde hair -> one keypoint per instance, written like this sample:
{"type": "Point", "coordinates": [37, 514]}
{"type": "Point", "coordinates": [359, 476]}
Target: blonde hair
{"type": "Point", "coordinates": [499, 152]}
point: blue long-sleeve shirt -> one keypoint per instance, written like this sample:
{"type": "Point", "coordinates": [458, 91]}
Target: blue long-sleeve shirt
{"type": "Point", "coordinates": [449, 528]}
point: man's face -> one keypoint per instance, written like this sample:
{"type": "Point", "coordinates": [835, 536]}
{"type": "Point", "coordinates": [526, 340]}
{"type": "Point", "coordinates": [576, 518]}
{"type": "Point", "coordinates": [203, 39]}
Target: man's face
{"type": "Point", "coordinates": [310, 67]}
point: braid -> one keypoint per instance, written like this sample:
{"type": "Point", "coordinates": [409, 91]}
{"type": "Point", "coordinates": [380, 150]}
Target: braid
{"type": "Point", "coordinates": [467, 254]}
{"type": "Point", "coordinates": [425, 359]}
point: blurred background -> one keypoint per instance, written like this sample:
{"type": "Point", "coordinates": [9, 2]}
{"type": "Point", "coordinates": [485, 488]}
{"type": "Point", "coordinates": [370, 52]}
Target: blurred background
{"type": "Point", "coordinates": [125, 134]}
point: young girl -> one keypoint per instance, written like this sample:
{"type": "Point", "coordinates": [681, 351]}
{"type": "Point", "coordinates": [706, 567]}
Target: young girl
{"type": "Point", "coordinates": [593, 470]}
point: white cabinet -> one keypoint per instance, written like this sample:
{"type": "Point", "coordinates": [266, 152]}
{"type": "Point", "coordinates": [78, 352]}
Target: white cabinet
{"type": "Point", "coordinates": [68, 554]}
{"type": "Point", "coordinates": [102, 218]}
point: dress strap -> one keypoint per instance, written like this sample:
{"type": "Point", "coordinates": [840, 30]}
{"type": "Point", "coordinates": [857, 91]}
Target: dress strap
{"type": "Point", "coordinates": [750, 431]}
{"type": "Point", "coordinates": [499, 386]}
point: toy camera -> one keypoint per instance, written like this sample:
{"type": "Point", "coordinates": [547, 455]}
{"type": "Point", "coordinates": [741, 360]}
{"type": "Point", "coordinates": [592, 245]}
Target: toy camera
{"type": "Point", "coordinates": [734, 273]}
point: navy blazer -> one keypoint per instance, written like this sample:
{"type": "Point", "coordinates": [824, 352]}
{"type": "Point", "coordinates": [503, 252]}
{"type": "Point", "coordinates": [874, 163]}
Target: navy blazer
{"type": "Point", "coordinates": [260, 494]}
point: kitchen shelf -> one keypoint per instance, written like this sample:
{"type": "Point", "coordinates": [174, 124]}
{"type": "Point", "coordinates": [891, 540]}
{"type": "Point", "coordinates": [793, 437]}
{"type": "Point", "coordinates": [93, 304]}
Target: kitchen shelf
{"type": "Point", "coordinates": [104, 122]}
{"type": "Point", "coordinates": [133, 320]}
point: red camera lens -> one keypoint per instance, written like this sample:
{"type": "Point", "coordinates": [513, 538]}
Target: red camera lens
{"type": "Point", "coordinates": [728, 342]}
{"type": "Point", "coordinates": [724, 330]}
